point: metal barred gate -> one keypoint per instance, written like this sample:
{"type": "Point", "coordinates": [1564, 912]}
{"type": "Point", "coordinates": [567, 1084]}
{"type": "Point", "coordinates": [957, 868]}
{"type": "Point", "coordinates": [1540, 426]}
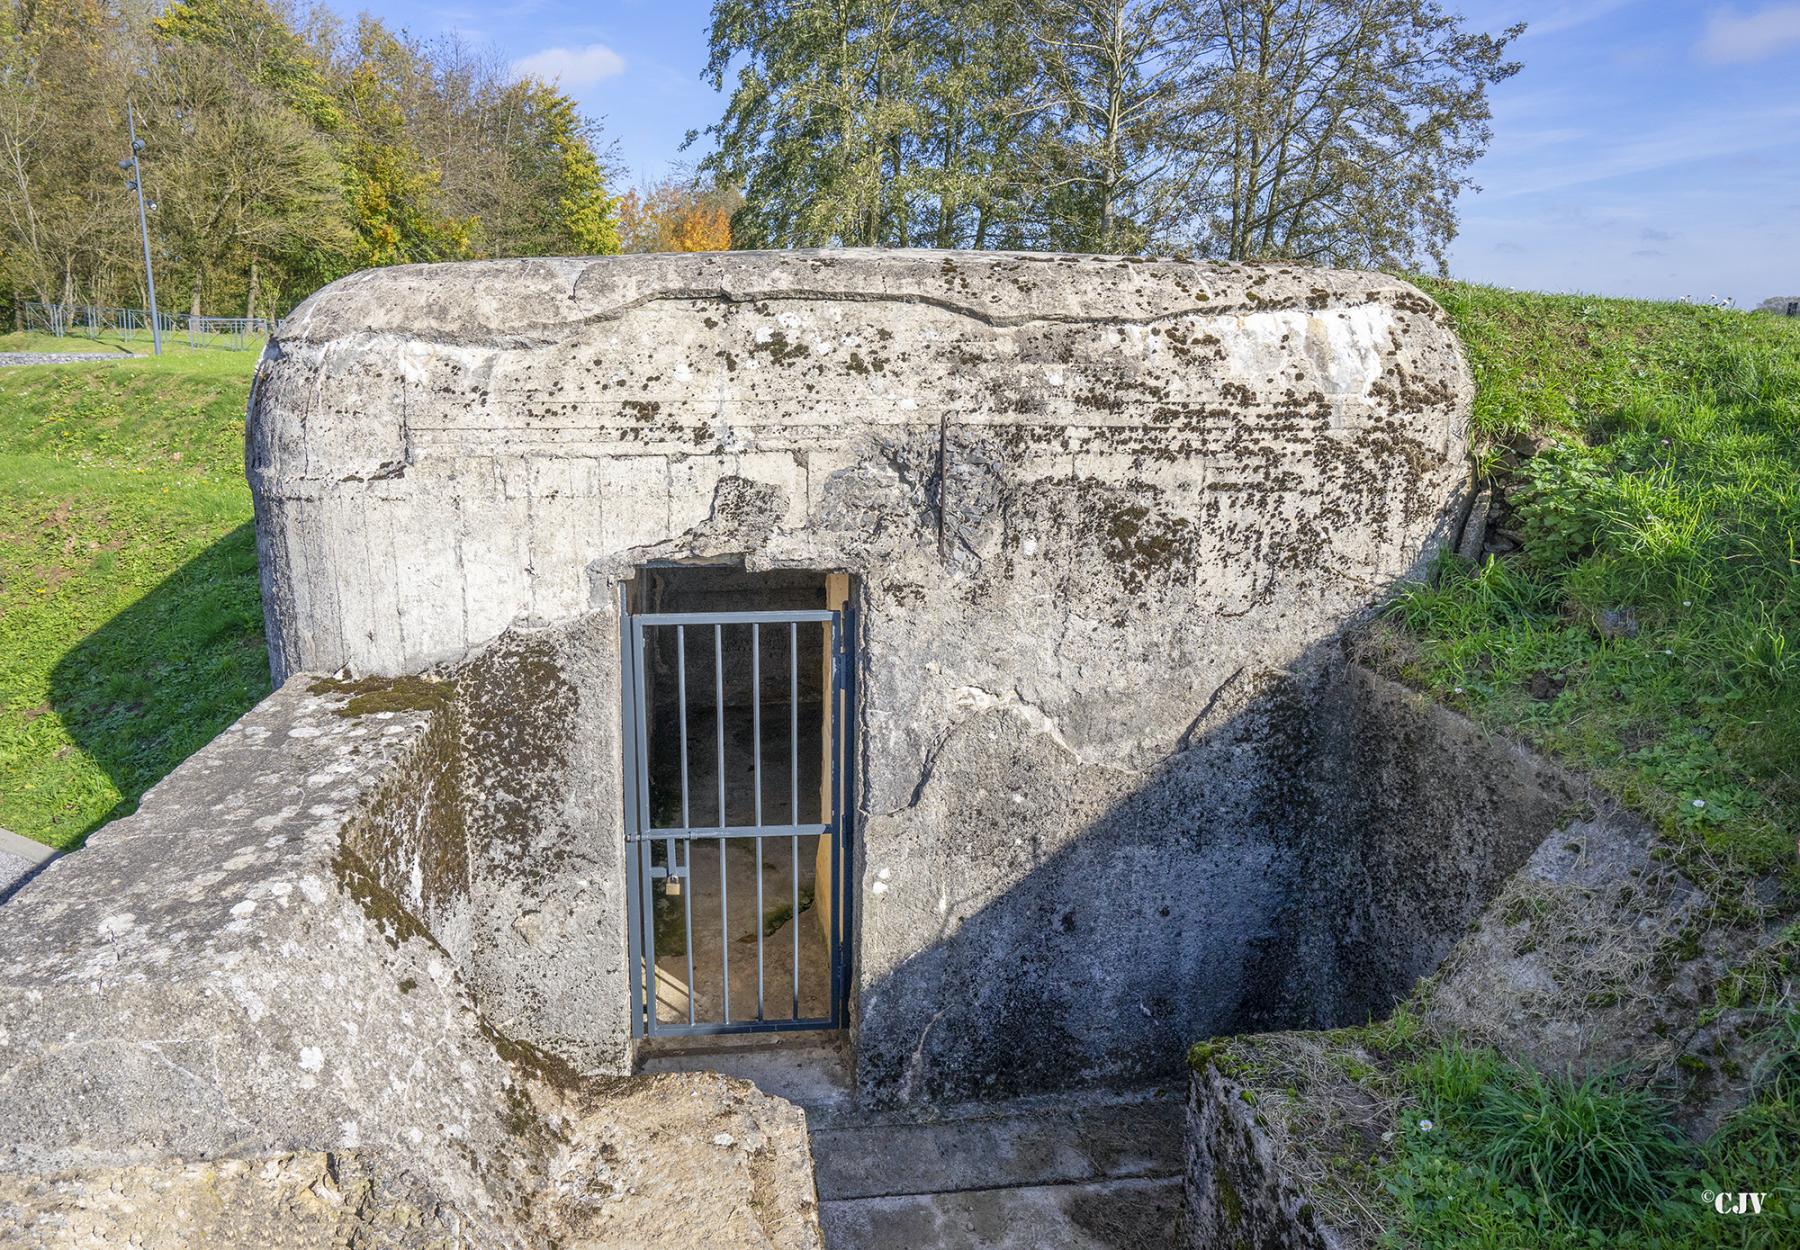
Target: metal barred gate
{"type": "Point", "coordinates": [735, 838]}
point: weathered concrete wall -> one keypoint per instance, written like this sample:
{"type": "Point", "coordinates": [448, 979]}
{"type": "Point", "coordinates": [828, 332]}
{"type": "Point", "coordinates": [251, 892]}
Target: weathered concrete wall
{"type": "Point", "coordinates": [1438, 814]}
{"type": "Point", "coordinates": [1420, 824]}
{"type": "Point", "coordinates": [1098, 509]}
{"type": "Point", "coordinates": [1242, 1187]}
{"type": "Point", "coordinates": [223, 976]}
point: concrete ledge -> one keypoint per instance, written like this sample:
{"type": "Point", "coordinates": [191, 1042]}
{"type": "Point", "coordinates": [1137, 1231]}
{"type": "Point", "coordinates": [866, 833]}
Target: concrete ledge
{"type": "Point", "coordinates": [20, 860]}
{"type": "Point", "coordinates": [221, 977]}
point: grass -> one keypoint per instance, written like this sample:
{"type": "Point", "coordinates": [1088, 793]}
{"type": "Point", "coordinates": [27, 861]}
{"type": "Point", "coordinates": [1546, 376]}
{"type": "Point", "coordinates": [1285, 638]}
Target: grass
{"type": "Point", "coordinates": [1488, 1153]}
{"type": "Point", "coordinates": [175, 343]}
{"type": "Point", "coordinates": [1648, 629]}
{"type": "Point", "coordinates": [1645, 460]}
{"type": "Point", "coordinates": [1414, 1141]}
{"type": "Point", "coordinates": [130, 616]}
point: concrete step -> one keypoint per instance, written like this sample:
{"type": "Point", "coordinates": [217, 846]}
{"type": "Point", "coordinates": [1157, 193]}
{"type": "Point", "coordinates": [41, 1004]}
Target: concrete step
{"type": "Point", "coordinates": [810, 1073]}
{"type": "Point", "coordinates": [1049, 1145]}
{"type": "Point", "coordinates": [1134, 1214]}
{"type": "Point", "coordinates": [1096, 1172]}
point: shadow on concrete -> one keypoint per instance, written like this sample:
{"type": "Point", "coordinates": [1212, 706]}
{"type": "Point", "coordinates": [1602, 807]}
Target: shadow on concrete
{"type": "Point", "coordinates": [1097, 953]}
{"type": "Point", "coordinates": [1299, 858]}
{"type": "Point", "coordinates": [160, 679]}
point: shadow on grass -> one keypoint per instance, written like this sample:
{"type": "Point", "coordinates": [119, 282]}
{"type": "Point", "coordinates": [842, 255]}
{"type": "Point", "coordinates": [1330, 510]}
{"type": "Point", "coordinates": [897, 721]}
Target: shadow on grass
{"type": "Point", "coordinates": [160, 679]}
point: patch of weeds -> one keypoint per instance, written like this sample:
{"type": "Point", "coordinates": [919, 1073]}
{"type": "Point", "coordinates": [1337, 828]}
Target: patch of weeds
{"type": "Point", "coordinates": [1490, 1153]}
{"type": "Point", "coordinates": [1595, 1155]}
{"type": "Point", "coordinates": [1215, 1053]}
{"type": "Point", "coordinates": [781, 913]}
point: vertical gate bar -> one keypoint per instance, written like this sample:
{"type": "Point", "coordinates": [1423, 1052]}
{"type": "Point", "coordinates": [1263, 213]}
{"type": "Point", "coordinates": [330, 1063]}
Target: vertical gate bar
{"type": "Point", "coordinates": [681, 715]}
{"type": "Point", "coordinates": [687, 846]}
{"type": "Point", "coordinates": [834, 820]}
{"type": "Point", "coordinates": [628, 735]}
{"type": "Point", "coordinates": [687, 912]}
{"type": "Point", "coordinates": [647, 908]}
{"type": "Point", "coordinates": [846, 812]}
{"type": "Point", "coordinates": [794, 792]}
{"type": "Point", "coordinates": [724, 886]}
{"type": "Point", "coordinates": [756, 775]}
{"type": "Point", "coordinates": [719, 708]}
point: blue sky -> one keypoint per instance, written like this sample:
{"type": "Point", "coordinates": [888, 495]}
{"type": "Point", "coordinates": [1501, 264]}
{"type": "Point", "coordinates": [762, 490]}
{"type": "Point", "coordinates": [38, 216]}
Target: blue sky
{"type": "Point", "coordinates": [1649, 147]}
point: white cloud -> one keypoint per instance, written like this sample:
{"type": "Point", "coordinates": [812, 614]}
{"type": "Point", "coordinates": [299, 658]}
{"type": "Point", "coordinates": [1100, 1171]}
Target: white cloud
{"type": "Point", "coordinates": [1569, 16]}
{"type": "Point", "coordinates": [572, 68]}
{"type": "Point", "coordinates": [1739, 38]}
{"type": "Point", "coordinates": [1707, 135]}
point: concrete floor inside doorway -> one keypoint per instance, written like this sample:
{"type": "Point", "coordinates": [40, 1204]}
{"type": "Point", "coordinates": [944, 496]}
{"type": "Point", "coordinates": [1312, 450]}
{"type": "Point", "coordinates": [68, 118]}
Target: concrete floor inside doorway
{"type": "Point", "coordinates": [1075, 1172]}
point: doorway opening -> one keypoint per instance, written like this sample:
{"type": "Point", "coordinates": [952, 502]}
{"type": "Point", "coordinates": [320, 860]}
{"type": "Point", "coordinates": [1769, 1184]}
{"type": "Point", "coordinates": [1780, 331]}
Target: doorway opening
{"type": "Point", "coordinates": [737, 709]}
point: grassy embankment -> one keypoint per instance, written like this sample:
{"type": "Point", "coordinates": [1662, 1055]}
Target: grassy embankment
{"type": "Point", "coordinates": [1648, 631]}
{"type": "Point", "coordinates": [130, 619]}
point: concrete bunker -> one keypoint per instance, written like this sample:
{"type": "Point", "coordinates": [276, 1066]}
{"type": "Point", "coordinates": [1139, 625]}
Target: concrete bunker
{"type": "Point", "coordinates": [1095, 527]}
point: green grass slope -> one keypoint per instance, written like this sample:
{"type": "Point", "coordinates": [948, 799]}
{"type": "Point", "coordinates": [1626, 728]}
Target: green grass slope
{"type": "Point", "coordinates": [1648, 628]}
{"type": "Point", "coordinates": [130, 618]}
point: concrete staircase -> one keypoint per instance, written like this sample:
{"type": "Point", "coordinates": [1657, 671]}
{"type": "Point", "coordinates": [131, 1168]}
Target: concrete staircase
{"type": "Point", "coordinates": [1065, 1173]}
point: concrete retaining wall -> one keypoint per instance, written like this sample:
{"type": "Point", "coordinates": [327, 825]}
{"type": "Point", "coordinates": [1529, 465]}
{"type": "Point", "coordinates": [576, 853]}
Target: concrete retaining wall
{"type": "Point", "coordinates": [245, 982]}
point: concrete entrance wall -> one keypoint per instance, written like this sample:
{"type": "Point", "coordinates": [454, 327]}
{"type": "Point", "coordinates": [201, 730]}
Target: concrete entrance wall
{"type": "Point", "coordinates": [1105, 516]}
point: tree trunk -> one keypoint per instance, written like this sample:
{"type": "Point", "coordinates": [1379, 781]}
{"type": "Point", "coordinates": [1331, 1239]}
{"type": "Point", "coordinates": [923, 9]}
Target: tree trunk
{"type": "Point", "coordinates": [255, 290]}
{"type": "Point", "coordinates": [194, 306]}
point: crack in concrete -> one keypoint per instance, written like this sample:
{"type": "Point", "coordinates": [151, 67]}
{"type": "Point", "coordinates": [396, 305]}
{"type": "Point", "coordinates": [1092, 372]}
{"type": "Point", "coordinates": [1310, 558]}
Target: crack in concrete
{"type": "Point", "coordinates": [533, 337]}
{"type": "Point", "coordinates": [1186, 741]}
{"type": "Point", "coordinates": [917, 1061]}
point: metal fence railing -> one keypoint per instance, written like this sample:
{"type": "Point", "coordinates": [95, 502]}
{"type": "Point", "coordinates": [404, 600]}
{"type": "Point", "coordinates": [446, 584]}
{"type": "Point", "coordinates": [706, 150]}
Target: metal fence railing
{"type": "Point", "coordinates": [97, 321]}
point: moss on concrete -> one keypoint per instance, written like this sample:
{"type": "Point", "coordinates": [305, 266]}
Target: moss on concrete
{"type": "Point", "coordinates": [371, 695]}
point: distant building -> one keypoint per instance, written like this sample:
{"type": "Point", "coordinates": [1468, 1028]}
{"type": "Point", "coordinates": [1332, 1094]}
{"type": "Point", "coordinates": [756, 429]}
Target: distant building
{"type": "Point", "coordinates": [1781, 305]}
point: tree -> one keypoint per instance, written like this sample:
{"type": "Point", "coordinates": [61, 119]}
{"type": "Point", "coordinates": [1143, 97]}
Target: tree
{"type": "Point", "coordinates": [969, 181]}
{"type": "Point", "coordinates": [1338, 131]}
{"type": "Point", "coordinates": [261, 42]}
{"type": "Point", "coordinates": [562, 205]}
{"type": "Point", "coordinates": [815, 130]}
{"type": "Point", "coordinates": [283, 149]}
{"type": "Point", "coordinates": [678, 213]}
{"type": "Point", "coordinates": [1342, 131]}
{"type": "Point", "coordinates": [1114, 157]}
{"type": "Point", "coordinates": [250, 196]}
{"type": "Point", "coordinates": [393, 202]}
{"type": "Point", "coordinates": [68, 225]}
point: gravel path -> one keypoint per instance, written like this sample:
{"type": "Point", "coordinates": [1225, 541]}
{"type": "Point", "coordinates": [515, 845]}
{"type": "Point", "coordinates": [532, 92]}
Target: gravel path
{"type": "Point", "coordinates": [58, 358]}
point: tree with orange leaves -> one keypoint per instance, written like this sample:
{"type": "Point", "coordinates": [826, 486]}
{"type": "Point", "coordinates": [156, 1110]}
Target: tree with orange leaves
{"type": "Point", "coordinates": [678, 213]}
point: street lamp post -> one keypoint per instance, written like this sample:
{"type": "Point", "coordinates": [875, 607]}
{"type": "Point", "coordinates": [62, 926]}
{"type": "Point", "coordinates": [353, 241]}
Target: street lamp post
{"type": "Point", "coordinates": [137, 184]}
